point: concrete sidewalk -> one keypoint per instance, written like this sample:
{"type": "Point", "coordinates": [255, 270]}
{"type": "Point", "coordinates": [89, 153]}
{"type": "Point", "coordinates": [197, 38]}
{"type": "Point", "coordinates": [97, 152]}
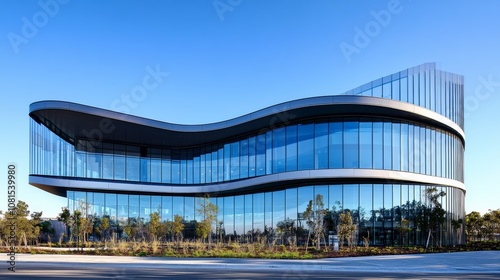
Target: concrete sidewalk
{"type": "Point", "coordinates": [463, 262]}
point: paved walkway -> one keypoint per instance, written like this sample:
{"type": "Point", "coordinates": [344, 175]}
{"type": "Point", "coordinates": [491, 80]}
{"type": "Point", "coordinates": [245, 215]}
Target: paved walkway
{"type": "Point", "coordinates": [463, 262]}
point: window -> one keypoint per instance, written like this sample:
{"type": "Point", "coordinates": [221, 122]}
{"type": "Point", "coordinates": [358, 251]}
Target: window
{"type": "Point", "coordinates": [306, 146]}
{"type": "Point", "coordinates": [351, 144]}
{"type": "Point", "coordinates": [279, 150]}
{"type": "Point", "coordinates": [291, 148]}
{"type": "Point", "coordinates": [335, 139]}
{"type": "Point", "coordinates": [321, 146]}
{"type": "Point", "coordinates": [365, 144]}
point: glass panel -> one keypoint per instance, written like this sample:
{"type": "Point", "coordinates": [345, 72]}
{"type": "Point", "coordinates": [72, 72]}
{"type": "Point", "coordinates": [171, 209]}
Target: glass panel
{"type": "Point", "coordinates": [227, 162]}
{"type": "Point", "coordinates": [178, 206]}
{"type": "Point", "coordinates": [387, 145]}
{"type": "Point", "coordinates": [335, 138]}
{"type": "Point", "coordinates": [145, 207]}
{"type": "Point", "coordinates": [365, 212]}
{"type": "Point", "coordinates": [377, 91]}
{"type": "Point", "coordinates": [244, 158]}
{"type": "Point", "coordinates": [111, 205]}
{"type": "Point", "coordinates": [291, 204]}
{"type": "Point", "coordinates": [155, 165]}
{"type": "Point", "coordinates": [351, 144]}
{"type": "Point", "coordinates": [411, 149]}
{"type": "Point", "coordinates": [166, 207]}
{"type": "Point", "coordinates": [365, 144]}
{"type": "Point", "coordinates": [176, 167]}
{"type": "Point", "coordinates": [386, 91]}
{"type": "Point", "coordinates": [98, 205]}
{"type": "Point", "coordinates": [229, 216]}
{"type": "Point", "coordinates": [279, 150]}
{"type": "Point", "coordinates": [269, 152]}
{"type": "Point", "coordinates": [249, 216]}
{"type": "Point", "coordinates": [132, 163]}
{"type": "Point", "coordinates": [404, 90]}
{"type": "Point", "coordinates": [291, 148]}
{"type": "Point", "coordinates": [321, 145]}
{"type": "Point", "coordinates": [235, 160]}
{"type": "Point", "coordinates": [133, 206]}
{"type": "Point", "coordinates": [404, 146]}
{"type": "Point", "coordinates": [268, 215]}
{"type": "Point", "coordinates": [278, 208]}
{"type": "Point", "coordinates": [378, 214]}
{"type": "Point", "coordinates": [396, 146]}
{"type": "Point", "coordinates": [422, 150]}
{"type": "Point", "coordinates": [189, 208]}
{"type": "Point", "coordinates": [395, 90]}
{"type": "Point", "coordinates": [122, 209]}
{"type": "Point", "coordinates": [306, 146]}
{"type": "Point", "coordinates": [239, 218]}
{"type": "Point", "coordinates": [156, 204]}
{"type": "Point", "coordinates": [119, 164]}
{"type": "Point", "coordinates": [351, 199]}
{"type": "Point", "coordinates": [220, 163]}
{"type": "Point", "coordinates": [258, 213]}
{"type": "Point", "coordinates": [251, 157]}
{"type": "Point", "coordinates": [166, 167]}
{"type": "Point", "coordinates": [378, 145]}
{"type": "Point", "coordinates": [261, 154]}
{"type": "Point", "coordinates": [335, 197]}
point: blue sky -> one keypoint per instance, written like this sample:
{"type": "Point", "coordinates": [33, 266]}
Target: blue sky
{"type": "Point", "coordinates": [225, 58]}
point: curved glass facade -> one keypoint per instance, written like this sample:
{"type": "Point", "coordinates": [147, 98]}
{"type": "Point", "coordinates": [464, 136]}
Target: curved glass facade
{"type": "Point", "coordinates": [375, 208]}
{"type": "Point", "coordinates": [318, 144]}
{"type": "Point", "coordinates": [396, 139]}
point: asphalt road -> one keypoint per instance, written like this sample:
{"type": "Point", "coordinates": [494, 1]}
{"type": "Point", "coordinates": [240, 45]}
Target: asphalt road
{"type": "Point", "coordinates": [469, 265]}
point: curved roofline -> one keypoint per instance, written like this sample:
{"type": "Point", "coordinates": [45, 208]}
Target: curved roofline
{"type": "Point", "coordinates": [75, 121]}
{"type": "Point", "coordinates": [59, 186]}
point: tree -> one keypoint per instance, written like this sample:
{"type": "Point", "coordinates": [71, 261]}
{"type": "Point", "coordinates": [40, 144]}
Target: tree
{"type": "Point", "coordinates": [473, 225]}
{"type": "Point", "coordinates": [103, 227]}
{"type": "Point", "coordinates": [309, 217]}
{"type": "Point", "coordinates": [287, 228]}
{"type": "Point", "coordinates": [176, 228]}
{"type": "Point", "coordinates": [315, 215]}
{"type": "Point", "coordinates": [403, 228]}
{"type": "Point", "coordinates": [491, 224]}
{"type": "Point", "coordinates": [65, 217]}
{"type": "Point", "coordinates": [154, 225]}
{"type": "Point", "coordinates": [346, 229]}
{"type": "Point", "coordinates": [434, 214]}
{"type": "Point", "coordinates": [209, 212]}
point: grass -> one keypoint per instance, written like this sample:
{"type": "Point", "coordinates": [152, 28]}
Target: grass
{"type": "Point", "coordinates": [245, 250]}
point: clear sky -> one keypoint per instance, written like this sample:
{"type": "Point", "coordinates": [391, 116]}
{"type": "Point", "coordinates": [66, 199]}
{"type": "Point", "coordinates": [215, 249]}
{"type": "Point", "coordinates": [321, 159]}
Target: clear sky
{"type": "Point", "coordinates": [225, 58]}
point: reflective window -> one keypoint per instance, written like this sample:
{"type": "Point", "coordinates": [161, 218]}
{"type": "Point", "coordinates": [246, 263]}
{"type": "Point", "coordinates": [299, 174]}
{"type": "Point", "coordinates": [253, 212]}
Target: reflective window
{"type": "Point", "coordinates": [261, 154]}
{"type": "Point", "coordinates": [396, 146]}
{"type": "Point", "coordinates": [258, 212]}
{"type": "Point", "coordinates": [244, 158]}
{"type": "Point", "coordinates": [351, 144]}
{"type": "Point", "coordinates": [335, 139]}
{"type": "Point", "coordinates": [145, 207]}
{"type": "Point", "coordinates": [306, 146]}
{"type": "Point", "coordinates": [387, 145]}
{"type": "Point", "coordinates": [378, 148]}
{"type": "Point", "coordinates": [365, 144]}
{"type": "Point", "coordinates": [291, 148]}
{"type": "Point", "coordinates": [235, 160]}
{"type": "Point", "coordinates": [321, 145]}
{"type": "Point", "coordinates": [279, 150]}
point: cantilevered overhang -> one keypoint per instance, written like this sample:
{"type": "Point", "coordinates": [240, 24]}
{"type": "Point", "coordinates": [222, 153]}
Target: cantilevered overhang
{"type": "Point", "coordinates": [73, 121]}
{"type": "Point", "coordinates": [59, 186]}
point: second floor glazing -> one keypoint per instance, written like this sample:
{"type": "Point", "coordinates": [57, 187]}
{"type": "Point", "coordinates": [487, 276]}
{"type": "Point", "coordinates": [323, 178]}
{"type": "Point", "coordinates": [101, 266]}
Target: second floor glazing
{"type": "Point", "coordinates": [335, 143]}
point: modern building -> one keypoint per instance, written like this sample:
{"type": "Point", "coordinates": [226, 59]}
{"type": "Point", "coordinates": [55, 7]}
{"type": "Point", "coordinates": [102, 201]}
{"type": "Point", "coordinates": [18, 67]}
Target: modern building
{"type": "Point", "coordinates": [373, 150]}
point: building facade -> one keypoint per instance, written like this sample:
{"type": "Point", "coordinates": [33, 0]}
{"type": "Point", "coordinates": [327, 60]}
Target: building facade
{"type": "Point", "coordinates": [374, 150]}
